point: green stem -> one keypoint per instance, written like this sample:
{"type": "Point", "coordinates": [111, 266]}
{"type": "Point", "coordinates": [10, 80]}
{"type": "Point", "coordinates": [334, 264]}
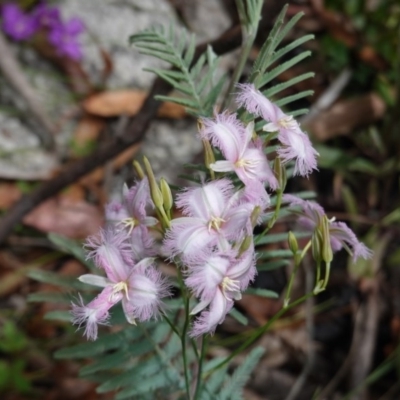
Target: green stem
{"type": "Point", "coordinates": [294, 272]}
{"type": "Point", "coordinates": [184, 329]}
{"type": "Point", "coordinates": [244, 54]}
{"type": "Point", "coordinates": [306, 248]}
{"type": "Point", "coordinates": [249, 19]}
{"type": "Point", "coordinates": [172, 326]}
{"type": "Point", "coordinates": [318, 276]}
{"type": "Point", "coordinates": [258, 333]}
{"type": "Point", "coordinates": [272, 221]}
{"type": "Point", "coordinates": [183, 341]}
{"type": "Point", "coordinates": [200, 369]}
{"type": "Point", "coordinates": [289, 289]}
{"type": "Point", "coordinates": [327, 273]}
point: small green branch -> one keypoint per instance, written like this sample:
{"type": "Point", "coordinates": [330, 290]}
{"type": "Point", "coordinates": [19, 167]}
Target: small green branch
{"type": "Point", "coordinates": [249, 19]}
{"type": "Point", "coordinates": [274, 217]}
{"type": "Point", "coordinates": [258, 333]}
{"type": "Point", "coordinates": [200, 367]}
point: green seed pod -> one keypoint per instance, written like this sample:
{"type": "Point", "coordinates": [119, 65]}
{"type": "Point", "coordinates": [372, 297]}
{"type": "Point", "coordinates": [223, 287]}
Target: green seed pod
{"type": "Point", "coordinates": [167, 195]}
{"type": "Point", "coordinates": [254, 216]}
{"type": "Point", "coordinates": [209, 157]}
{"type": "Point", "coordinates": [316, 246]}
{"type": "Point", "coordinates": [280, 172]}
{"type": "Point", "coordinates": [138, 169]}
{"type": "Point", "coordinates": [247, 241]}
{"type": "Point", "coordinates": [155, 191]}
{"type": "Point", "coordinates": [327, 254]}
{"type": "Point", "coordinates": [293, 245]}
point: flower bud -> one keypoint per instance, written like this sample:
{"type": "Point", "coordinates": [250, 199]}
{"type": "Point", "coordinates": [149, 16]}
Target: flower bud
{"type": "Point", "coordinates": [255, 214]}
{"type": "Point", "coordinates": [293, 245]}
{"type": "Point", "coordinates": [138, 169]}
{"type": "Point", "coordinates": [327, 254]}
{"type": "Point", "coordinates": [316, 246]}
{"type": "Point", "coordinates": [209, 157]}
{"type": "Point", "coordinates": [247, 241]}
{"type": "Point", "coordinates": [280, 173]}
{"type": "Point", "coordinates": [155, 191]}
{"type": "Point", "coordinates": [166, 194]}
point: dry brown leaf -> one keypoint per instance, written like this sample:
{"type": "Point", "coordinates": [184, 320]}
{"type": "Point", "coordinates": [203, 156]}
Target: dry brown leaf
{"type": "Point", "coordinates": [345, 116]}
{"type": "Point", "coordinates": [261, 309]}
{"type": "Point", "coordinates": [126, 102]}
{"type": "Point", "coordinates": [86, 132]}
{"type": "Point", "coordinates": [61, 214]}
{"type": "Point", "coordinates": [9, 194]}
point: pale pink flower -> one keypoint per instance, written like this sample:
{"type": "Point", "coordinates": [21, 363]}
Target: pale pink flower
{"type": "Point", "coordinates": [131, 212]}
{"type": "Point", "coordinates": [217, 282]}
{"type": "Point", "coordinates": [214, 216]}
{"type": "Point", "coordinates": [340, 234]}
{"type": "Point", "coordinates": [139, 286]}
{"type": "Point", "coordinates": [243, 155]}
{"type": "Point", "coordinates": [296, 145]}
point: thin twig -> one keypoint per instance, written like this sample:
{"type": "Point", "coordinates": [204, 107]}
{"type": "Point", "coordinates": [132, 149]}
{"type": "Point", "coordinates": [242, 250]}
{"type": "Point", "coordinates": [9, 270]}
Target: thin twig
{"type": "Point", "coordinates": [14, 74]}
{"type": "Point", "coordinates": [135, 132]}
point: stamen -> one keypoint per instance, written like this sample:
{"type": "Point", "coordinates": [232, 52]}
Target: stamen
{"type": "Point", "coordinates": [246, 164]}
{"type": "Point", "coordinates": [215, 223]}
{"type": "Point", "coordinates": [229, 285]}
{"type": "Point", "coordinates": [129, 223]}
{"type": "Point", "coordinates": [287, 122]}
{"type": "Point", "coordinates": [119, 287]}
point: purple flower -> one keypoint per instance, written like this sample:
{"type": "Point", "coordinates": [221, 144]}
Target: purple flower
{"type": "Point", "coordinates": [218, 281]}
{"type": "Point", "coordinates": [139, 286]}
{"type": "Point", "coordinates": [131, 213]}
{"type": "Point", "coordinates": [242, 155]}
{"type": "Point", "coordinates": [47, 17]}
{"type": "Point", "coordinates": [296, 144]}
{"type": "Point", "coordinates": [341, 236]}
{"type": "Point", "coordinates": [65, 38]}
{"type": "Point", "coordinates": [214, 216]}
{"type": "Point", "coordinates": [17, 24]}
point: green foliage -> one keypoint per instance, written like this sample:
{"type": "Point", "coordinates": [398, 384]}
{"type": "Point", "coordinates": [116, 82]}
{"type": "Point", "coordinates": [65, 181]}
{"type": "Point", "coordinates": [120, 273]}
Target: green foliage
{"type": "Point", "coordinates": [195, 79]}
{"type": "Point", "coordinates": [13, 343]}
{"type": "Point", "coordinates": [145, 361]}
{"type": "Point", "coordinates": [233, 388]}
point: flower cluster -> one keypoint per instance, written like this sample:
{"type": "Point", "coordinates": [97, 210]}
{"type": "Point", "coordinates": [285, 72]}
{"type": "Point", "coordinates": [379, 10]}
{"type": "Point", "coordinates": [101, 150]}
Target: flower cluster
{"type": "Point", "coordinates": [64, 36]}
{"type": "Point", "coordinates": [212, 241]}
{"type": "Point", "coordinates": [123, 250]}
{"type": "Point", "coordinates": [340, 235]}
{"type": "Point", "coordinates": [295, 143]}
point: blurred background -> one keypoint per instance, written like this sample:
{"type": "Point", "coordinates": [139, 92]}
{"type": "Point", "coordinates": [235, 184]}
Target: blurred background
{"type": "Point", "coordinates": [71, 83]}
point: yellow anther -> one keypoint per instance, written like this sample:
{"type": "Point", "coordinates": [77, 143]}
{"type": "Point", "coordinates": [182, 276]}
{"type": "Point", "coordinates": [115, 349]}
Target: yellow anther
{"type": "Point", "coordinates": [215, 223]}
{"type": "Point", "coordinates": [120, 287]}
{"type": "Point", "coordinates": [130, 223]}
{"type": "Point", "coordinates": [229, 285]}
{"type": "Point", "coordinates": [287, 122]}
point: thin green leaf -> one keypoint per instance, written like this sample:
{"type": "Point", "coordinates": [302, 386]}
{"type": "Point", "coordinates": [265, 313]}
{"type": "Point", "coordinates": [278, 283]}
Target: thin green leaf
{"type": "Point", "coordinates": [177, 100]}
{"type": "Point", "coordinates": [234, 313]}
{"type": "Point", "coordinates": [283, 67]}
{"type": "Point", "coordinates": [294, 97]}
{"type": "Point", "coordinates": [262, 293]}
{"type": "Point", "coordinates": [58, 316]}
{"type": "Point", "coordinates": [271, 265]}
{"type": "Point", "coordinates": [50, 297]}
{"type": "Point", "coordinates": [58, 280]}
{"type": "Point", "coordinates": [285, 85]}
{"type": "Point", "coordinates": [291, 46]}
